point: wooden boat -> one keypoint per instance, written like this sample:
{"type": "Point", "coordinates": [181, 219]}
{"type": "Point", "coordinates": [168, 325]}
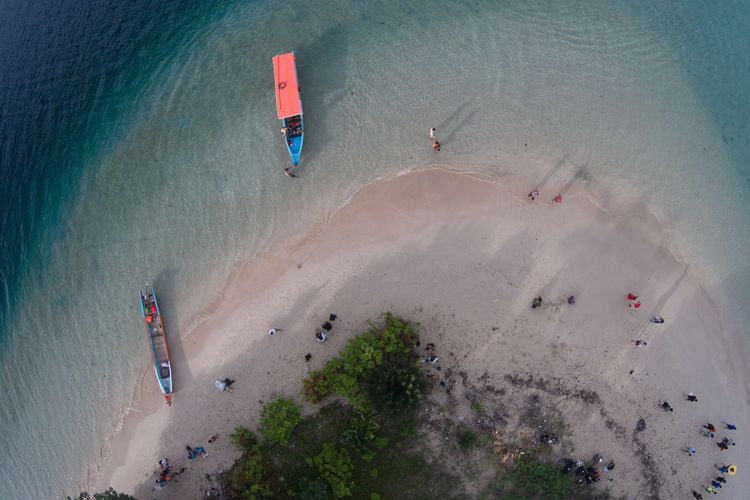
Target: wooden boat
{"type": "Point", "coordinates": [289, 103]}
{"type": "Point", "coordinates": [157, 340]}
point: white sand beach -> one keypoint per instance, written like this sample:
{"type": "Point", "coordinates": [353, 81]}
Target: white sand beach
{"type": "Point", "coordinates": [464, 257]}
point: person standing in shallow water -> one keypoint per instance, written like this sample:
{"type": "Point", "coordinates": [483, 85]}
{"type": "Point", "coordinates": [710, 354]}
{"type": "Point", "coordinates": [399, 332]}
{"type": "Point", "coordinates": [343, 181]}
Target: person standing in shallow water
{"type": "Point", "coordinates": [433, 133]}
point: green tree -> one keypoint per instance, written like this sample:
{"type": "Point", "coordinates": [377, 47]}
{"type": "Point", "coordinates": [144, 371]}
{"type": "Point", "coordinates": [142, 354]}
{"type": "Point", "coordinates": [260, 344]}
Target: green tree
{"type": "Point", "coordinates": [335, 466]}
{"type": "Point", "coordinates": [245, 479]}
{"type": "Point", "coordinates": [278, 420]}
{"type": "Point", "coordinates": [316, 489]}
{"type": "Point", "coordinates": [361, 356]}
{"type": "Point", "coordinates": [396, 387]}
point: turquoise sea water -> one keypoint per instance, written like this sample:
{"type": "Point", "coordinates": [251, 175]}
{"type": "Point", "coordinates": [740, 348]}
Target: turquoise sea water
{"type": "Point", "coordinates": [139, 142]}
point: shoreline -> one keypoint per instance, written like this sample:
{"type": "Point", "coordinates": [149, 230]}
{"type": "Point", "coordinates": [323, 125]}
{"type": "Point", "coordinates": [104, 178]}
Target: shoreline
{"type": "Point", "coordinates": [363, 233]}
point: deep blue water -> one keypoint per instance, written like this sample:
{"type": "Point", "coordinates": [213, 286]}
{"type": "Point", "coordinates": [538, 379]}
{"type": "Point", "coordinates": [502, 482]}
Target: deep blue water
{"type": "Point", "coordinates": [70, 72]}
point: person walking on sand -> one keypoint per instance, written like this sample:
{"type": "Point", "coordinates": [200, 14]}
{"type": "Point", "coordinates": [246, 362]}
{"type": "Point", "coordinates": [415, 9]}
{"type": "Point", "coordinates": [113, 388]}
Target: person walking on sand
{"type": "Point", "coordinates": [639, 343]}
{"type": "Point", "coordinates": [730, 427]}
{"type": "Point", "coordinates": [690, 451]}
{"type": "Point", "coordinates": [433, 133]}
{"type": "Point", "coordinates": [657, 319]}
{"type": "Point", "coordinates": [274, 331]}
{"type": "Point", "coordinates": [436, 146]}
{"type": "Point", "coordinates": [691, 397]}
{"type": "Point", "coordinates": [666, 406]}
{"type": "Point", "coordinates": [534, 195]}
{"type": "Point", "coordinates": [709, 427]}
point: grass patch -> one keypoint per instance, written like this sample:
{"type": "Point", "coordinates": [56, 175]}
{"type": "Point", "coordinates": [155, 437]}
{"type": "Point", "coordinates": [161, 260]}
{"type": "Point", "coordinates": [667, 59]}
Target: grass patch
{"type": "Point", "coordinates": [467, 439]}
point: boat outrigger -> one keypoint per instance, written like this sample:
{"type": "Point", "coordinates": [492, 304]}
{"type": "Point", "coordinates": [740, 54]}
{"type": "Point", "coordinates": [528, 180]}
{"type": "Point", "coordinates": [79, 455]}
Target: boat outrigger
{"type": "Point", "coordinates": [289, 103]}
{"type": "Point", "coordinates": [157, 340]}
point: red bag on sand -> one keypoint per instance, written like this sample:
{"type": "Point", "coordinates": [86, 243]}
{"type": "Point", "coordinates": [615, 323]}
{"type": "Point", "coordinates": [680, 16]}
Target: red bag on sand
{"type": "Point", "coordinates": [632, 297]}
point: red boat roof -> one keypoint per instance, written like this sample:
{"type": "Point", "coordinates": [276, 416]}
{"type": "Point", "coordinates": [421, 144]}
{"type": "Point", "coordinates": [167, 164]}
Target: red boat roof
{"type": "Point", "coordinates": [287, 91]}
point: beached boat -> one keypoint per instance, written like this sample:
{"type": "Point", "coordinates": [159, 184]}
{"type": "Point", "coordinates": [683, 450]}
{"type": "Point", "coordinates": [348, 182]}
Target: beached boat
{"type": "Point", "coordinates": [289, 103]}
{"type": "Point", "coordinates": [157, 340]}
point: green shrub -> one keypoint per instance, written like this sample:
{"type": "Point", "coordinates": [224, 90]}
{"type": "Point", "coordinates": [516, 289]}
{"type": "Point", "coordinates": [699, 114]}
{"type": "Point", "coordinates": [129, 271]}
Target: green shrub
{"type": "Point", "coordinates": [243, 438]}
{"type": "Point", "coordinates": [361, 355]}
{"type": "Point", "coordinates": [278, 420]}
{"type": "Point", "coordinates": [245, 479]}
{"type": "Point", "coordinates": [467, 439]}
{"type": "Point", "coordinates": [477, 406]}
{"type": "Point", "coordinates": [396, 387]}
{"type": "Point", "coordinates": [316, 489]}
{"type": "Point", "coordinates": [361, 431]}
{"type": "Point", "coordinates": [335, 466]}
{"type": "Point", "coordinates": [109, 494]}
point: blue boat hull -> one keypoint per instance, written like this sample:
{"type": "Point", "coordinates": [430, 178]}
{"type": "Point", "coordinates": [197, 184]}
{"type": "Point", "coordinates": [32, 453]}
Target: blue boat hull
{"type": "Point", "coordinates": [294, 142]}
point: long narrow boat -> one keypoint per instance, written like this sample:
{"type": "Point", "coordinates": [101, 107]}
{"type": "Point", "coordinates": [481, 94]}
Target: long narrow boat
{"type": "Point", "coordinates": [157, 340]}
{"type": "Point", "coordinates": [289, 103]}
